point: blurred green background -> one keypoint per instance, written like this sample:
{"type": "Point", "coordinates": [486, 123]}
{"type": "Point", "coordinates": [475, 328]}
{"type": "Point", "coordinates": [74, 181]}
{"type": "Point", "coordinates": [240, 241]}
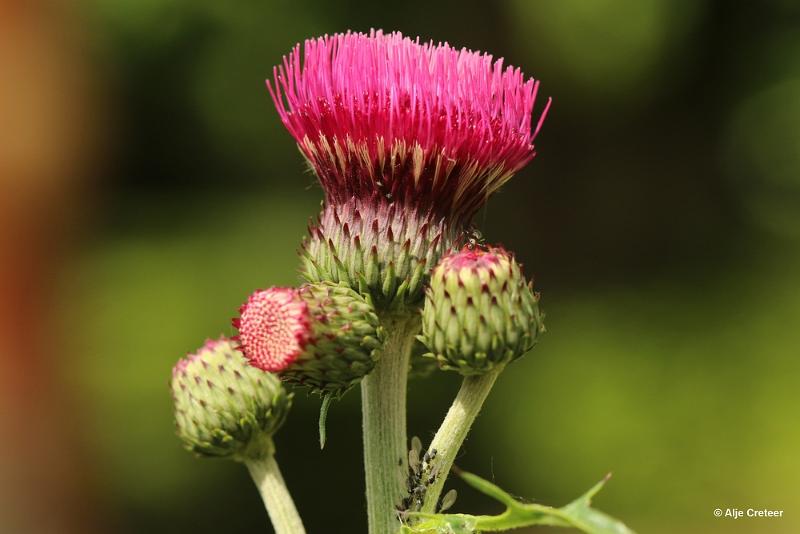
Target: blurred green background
{"type": "Point", "coordinates": [661, 219]}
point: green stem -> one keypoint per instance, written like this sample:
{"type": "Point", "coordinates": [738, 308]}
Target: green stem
{"type": "Point", "coordinates": [280, 507]}
{"type": "Point", "coordinates": [383, 399]}
{"type": "Point", "coordinates": [454, 429]}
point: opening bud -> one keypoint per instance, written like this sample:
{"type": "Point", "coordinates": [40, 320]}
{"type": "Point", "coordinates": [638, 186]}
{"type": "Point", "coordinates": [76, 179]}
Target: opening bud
{"type": "Point", "coordinates": [323, 336]}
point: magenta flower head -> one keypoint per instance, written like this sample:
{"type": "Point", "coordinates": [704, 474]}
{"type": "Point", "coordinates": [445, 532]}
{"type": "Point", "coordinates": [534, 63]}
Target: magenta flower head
{"type": "Point", "coordinates": [323, 336]}
{"type": "Point", "coordinates": [408, 140]}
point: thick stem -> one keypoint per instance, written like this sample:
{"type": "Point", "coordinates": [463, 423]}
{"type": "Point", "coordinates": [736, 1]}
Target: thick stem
{"type": "Point", "coordinates": [454, 429]}
{"type": "Point", "coordinates": [280, 507]}
{"type": "Point", "coordinates": [383, 399]}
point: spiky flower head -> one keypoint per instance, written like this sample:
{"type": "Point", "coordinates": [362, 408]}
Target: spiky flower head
{"type": "Point", "coordinates": [422, 132]}
{"type": "Point", "coordinates": [479, 311]}
{"type": "Point", "coordinates": [223, 406]}
{"type": "Point", "coordinates": [324, 336]}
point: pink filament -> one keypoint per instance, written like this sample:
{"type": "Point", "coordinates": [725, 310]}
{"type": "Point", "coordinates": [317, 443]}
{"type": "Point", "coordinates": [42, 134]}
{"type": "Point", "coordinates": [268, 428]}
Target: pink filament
{"type": "Point", "coordinates": [380, 89]}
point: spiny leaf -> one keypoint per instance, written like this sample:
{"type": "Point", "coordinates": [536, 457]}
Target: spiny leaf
{"type": "Point", "coordinates": [578, 514]}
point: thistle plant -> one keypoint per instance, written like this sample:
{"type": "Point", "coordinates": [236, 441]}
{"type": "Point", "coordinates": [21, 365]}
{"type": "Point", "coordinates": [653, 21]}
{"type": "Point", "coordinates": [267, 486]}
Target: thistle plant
{"type": "Point", "coordinates": [408, 141]}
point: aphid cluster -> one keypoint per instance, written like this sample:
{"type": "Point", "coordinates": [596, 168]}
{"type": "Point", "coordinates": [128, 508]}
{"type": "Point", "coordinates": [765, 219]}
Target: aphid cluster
{"type": "Point", "coordinates": [422, 473]}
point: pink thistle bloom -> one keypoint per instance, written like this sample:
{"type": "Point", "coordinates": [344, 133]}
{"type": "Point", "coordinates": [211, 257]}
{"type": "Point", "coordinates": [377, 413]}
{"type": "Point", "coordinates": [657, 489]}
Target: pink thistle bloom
{"type": "Point", "coordinates": [274, 327]}
{"type": "Point", "coordinates": [422, 124]}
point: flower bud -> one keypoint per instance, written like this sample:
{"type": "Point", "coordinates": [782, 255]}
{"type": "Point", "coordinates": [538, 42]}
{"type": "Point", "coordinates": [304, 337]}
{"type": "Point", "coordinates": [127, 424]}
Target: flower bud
{"type": "Point", "coordinates": [324, 336]}
{"type": "Point", "coordinates": [479, 311]}
{"type": "Point", "coordinates": [223, 406]}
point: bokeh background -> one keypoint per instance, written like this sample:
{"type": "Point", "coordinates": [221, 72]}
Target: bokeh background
{"type": "Point", "coordinates": [147, 186]}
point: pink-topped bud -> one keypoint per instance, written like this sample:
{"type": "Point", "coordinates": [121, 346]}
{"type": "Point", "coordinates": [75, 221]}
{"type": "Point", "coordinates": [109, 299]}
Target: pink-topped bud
{"type": "Point", "coordinates": [408, 140]}
{"type": "Point", "coordinates": [323, 336]}
{"type": "Point", "coordinates": [480, 312]}
{"type": "Point", "coordinates": [274, 327]}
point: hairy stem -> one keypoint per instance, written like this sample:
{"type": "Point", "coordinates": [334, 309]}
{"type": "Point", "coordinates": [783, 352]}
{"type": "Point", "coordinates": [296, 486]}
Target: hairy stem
{"type": "Point", "coordinates": [454, 429]}
{"type": "Point", "coordinates": [280, 507]}
{"type": "Point", "coordinates": [383, 400]}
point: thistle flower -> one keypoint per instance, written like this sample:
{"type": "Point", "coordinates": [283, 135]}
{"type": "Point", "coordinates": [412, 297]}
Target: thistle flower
{"type": "Point", "coordinates": [223, 406]}
{"type": "Point", "coordinates": [479, 311]}
{"type": "Point", "coordinates": [408, 140]}
{"type": "Point", "coordinates": [323, 336]}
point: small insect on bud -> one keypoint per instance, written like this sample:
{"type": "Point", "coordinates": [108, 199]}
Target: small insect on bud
{"type": "Point", "coordinates": [479, 312]}
{"type": "Point", "coordinates": [323, 336]}
{"type": "Point", "coordinates": [223, 405]}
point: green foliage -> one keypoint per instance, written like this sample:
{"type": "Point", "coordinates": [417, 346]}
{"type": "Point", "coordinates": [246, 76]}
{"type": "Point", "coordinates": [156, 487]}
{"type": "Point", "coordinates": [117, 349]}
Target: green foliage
{"type": "Point", "coordinates": [578, 514]}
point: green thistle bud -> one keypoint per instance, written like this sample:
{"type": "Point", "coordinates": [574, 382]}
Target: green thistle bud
{"type": "Point", "coordinates": [479, 311]}
{"type": "Point", "coordinates": [223, 406]}
{"type": "Point", "coordinates": [323, 336]}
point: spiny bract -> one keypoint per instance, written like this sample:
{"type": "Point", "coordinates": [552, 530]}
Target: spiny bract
{"type": "Point", "coordinates": [377, 248]}
{"type": "Point", "coordinates": [223, 406]}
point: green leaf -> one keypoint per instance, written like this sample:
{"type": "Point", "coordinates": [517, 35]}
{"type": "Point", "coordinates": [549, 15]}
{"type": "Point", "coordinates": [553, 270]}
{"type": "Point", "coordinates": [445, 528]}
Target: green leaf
{"type": "Point", "coordinates": [578, 514]}
{"type": "Point", "coordinates": [323, 418]}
